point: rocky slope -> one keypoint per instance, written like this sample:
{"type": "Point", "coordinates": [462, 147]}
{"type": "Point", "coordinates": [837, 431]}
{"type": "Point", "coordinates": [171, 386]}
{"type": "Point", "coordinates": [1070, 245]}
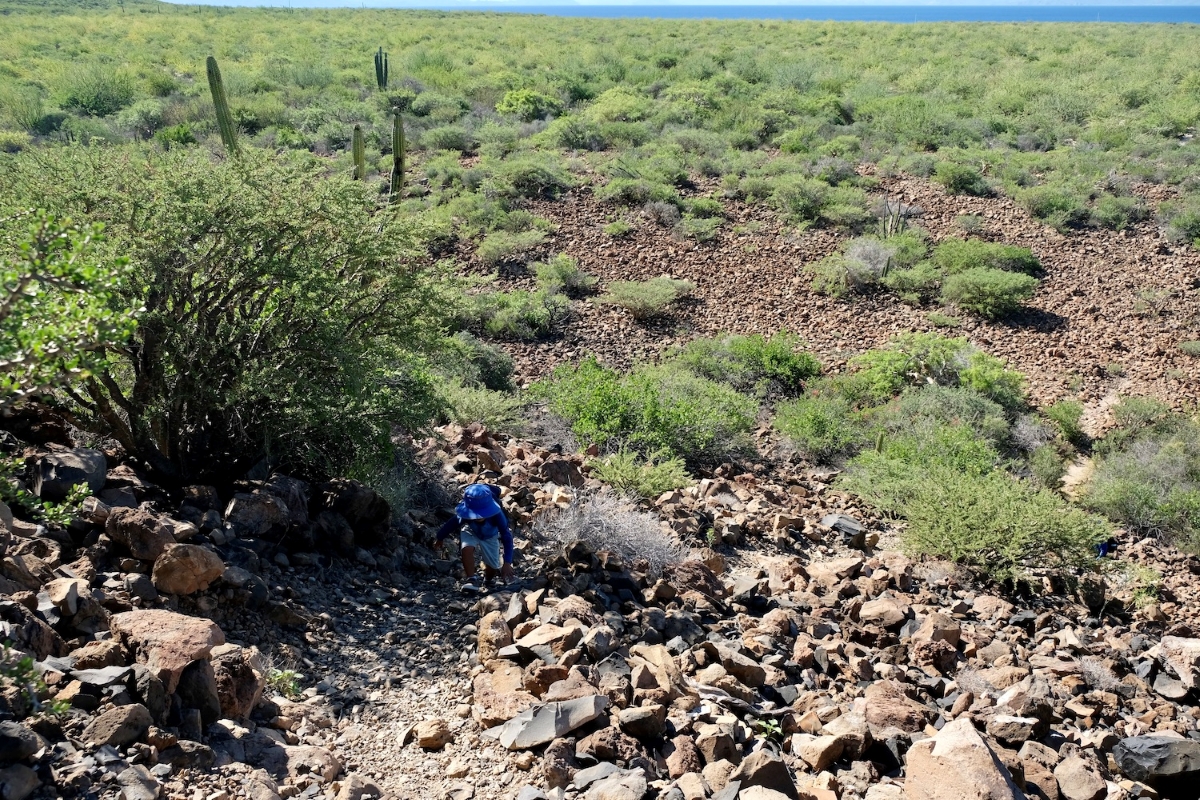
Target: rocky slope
{"type": "Point", "coordinates": [814, 664]}
{"type": "Point", "coordinates": [1111, 309]}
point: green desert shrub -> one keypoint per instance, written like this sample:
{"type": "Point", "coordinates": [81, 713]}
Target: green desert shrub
{"type": "Point", "coordinates": [226, 257]}
{"type": "Point", "coordinates": [502, 247]}
{"type": "Point", "coordinates": [14, 141]}
{"type": "Point", "coordinates": [953, 256]}
{"type": "Point", "coordinates": [961, 179]}
{"type": "Point", "coordinates": [991, 293]}
{"type": "Point", "coordinates": [528, 104]}
{"type": "Point", "coordinates": [618, 228]}
{"type": "Point", "coordinates": [653, 409]}
{"type": "Point", "coordinates": [98, 92]}
{"type": "Point", "coordinates": [645, 299]}
{"type": "Point", "coordinates": [447, 137]}
{"type": "Point", "coordinates": [702, 229]}
{"type": "Point", "coordinates": [1067, 415]}
{"type": "Point", "coordinates": [920, 408]}
{"type": "Point", "coordinates": [1117, 213]}
{"type": "Point", "coordinates": [496, 410]}
{"type": "Point", "coordinates": [562, 274]}
{"type": "Point", "coordinates": [1191, 348]}
{"type": "Point", "coordinates": [464, 358]}
{"type": "Point", "coordinates": [1152, 482]}
{"type": "Point", "coordinates": [517, 314]}
{"type": "Point", "coordinates": [1047, 467]}
{"type": "Point", "coordinates": [778, 365]}
{"type": "Point", "coordinates": [636, 192]}
{"type": "Point", "coordinates": [821, 426]}
{"type": "Point", "coordinates": [991, 523]}
{"type": "Point", "coordinates": [916, 359]}
{"type": "Point", "coordinates": [530, 176]}
{"type": "Point", "coordinates": [647, 477]}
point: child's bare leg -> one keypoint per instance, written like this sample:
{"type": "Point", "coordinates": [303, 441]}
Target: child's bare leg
{"type": "Point", "coordinates": [468, 561]}
{"type": "Point", "coordinates": [490, 573]}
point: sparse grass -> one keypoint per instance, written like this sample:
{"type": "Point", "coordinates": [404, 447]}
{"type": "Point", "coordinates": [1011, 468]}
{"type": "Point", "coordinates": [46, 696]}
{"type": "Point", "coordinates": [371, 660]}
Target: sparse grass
{"type": "Point", "coordinates": [940, 320]}
{"type": "Point", "coordinates": [618, 229]}
{"type": "Point", "coordinates": [646, 299]}
{"type": "Point", "coordinates": [1191, 348]}
{"type": "Point", "coordinates": [502, 247]}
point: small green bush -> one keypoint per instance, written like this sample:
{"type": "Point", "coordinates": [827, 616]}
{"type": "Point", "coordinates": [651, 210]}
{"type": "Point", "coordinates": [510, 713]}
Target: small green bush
{"type": "Point", "coordinates": [636, 192]}
{"type": "Point", "coordinates": [918, 358]}
{"type": "Point", "coordinates": [630, 473]}
{"type": "Point", "coordinates": [618, 228]}
{"type": "Point", "coordinates": [961, 179]}
{"type": "Point", "coordinates": [654, 409]}
{"type": "Point", "coordinates": [921, 408]}
{"type": "Point", "coordinates": [702, 229]}
{"type": "Point", "coordinates": [14, 141]}
{"type": "Point", "coordinates": [528, 104]}
{"type": "Point", "coordinates": [1117, 213]}
{"type": "Point", "coordinates": [1191, 348]}
{"type": "Point", "coordinates": [1067, 415]}
{"type": "Point", "coordinates": [497, 411]}
{"type": "Point", "coordinates": [98, 92]}
{"type": "Point", "coordinates": [752, 363]}
{"type": "Point", "coordinates": [1047, 467]}
{"type": "Point", "coordinates": [821, 426]}
{"type": "Point", "coordinates": [515, 315]}
{"type": "Point", "coordinates": [991, 293]}
{"type": "Point", "coordinates": [996, 525]}
{"type": "Point", "coordinates": [953, 256]}
{"type": "Point", "coordinates": [1152, 484]}
{"type": "Point", "coordinates": [562, 274]}
{"type": "Point", "coordinates": [645, 299]}
{"type": "Point", "coordinates": [447, 137]}
{"type": "Point", "coordinates": [704, 207]}
{"type": "Point", "coordinates": [502, 247]}
{"type": "Point", "coordinates": [466, 359]}
{"type": "Point", "coordinates": [530, 176]}
{"type": "Point", "coordinates": [175, 135]}
{"type": "Point", "coordinates": [940, 320]}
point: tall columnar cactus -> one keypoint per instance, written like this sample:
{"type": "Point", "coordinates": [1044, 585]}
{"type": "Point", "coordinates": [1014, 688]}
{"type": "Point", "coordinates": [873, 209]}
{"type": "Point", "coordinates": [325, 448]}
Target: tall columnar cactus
{"type": "Point", "coordinates": [397, 155]}
{"type": "Point", "coordinates": [224, 118]}
{"type": "Point", "coordinates": [359, 148]}
{"type": "Point", "coordinates": [381, 69]}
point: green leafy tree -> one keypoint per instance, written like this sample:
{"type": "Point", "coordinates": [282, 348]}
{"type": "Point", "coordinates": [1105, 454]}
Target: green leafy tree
{"type": "Point", "coordinates": [284, 316]}
{"type": "Point", "coordinates": [63, 305]}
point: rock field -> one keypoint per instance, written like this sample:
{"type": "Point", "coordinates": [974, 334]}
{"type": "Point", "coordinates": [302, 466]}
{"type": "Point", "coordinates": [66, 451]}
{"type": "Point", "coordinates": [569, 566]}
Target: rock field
{"type": "Point", "coordinates": [276, 639]}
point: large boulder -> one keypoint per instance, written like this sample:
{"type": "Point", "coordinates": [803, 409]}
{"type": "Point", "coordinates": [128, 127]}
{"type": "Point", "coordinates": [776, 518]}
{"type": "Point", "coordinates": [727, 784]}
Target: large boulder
{"type": "Point", "coordinates": [1147, 758]}
{"type": "Point", "coordinates": [240, 677]}
{"type": "Point", "coordinates": [185, 569]}
{"type": "Point", "coordinates": [1183, 656]}
{"type": "Point", "coordinates": [544, 724]}
{"type": "Point", "coordinates": [166, 642]}
{"type": "Point", "coordinates": [957, 764]}
{"type": "Point", "coordinates": [144, 534]}
{"type": "Point", "coordinates": [118, 726]}
{"type": "Point", "coordinates": [765, 769]}
{"type": "Point", "coordinates": [257, 515]}
{"type": "Point", "coordinates": [18, 742]}
{"type": "Point", "coordinates": [20, 627]}
{"type": "Point", "coordinates": [362, 507]}
{"type": "Point", "coordinates": [55, 474]}
{"type": "Point", "coordinates": [887, 706]}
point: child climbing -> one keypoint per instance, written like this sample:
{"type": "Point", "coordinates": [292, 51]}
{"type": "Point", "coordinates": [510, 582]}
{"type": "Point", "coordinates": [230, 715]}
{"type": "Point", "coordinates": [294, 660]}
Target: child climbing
{"type": "Point", "coordinates": [482, 528]}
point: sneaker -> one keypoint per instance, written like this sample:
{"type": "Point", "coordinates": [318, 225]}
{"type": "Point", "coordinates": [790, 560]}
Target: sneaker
{"type": "Point", "coordinates": [472, 585]}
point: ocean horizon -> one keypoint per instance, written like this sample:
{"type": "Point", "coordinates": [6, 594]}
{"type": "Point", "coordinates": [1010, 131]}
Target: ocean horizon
{"type": "Point", "coordinates": [1145, 14]}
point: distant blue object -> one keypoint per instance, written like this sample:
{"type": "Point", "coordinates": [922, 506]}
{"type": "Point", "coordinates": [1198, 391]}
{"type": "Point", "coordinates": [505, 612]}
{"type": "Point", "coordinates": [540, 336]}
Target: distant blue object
{"type": "Point", "coordinates": [1103, 549]}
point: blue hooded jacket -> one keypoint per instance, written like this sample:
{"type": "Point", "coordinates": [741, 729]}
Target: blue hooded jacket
{"type": "Point", "coordinates": [480, 511]}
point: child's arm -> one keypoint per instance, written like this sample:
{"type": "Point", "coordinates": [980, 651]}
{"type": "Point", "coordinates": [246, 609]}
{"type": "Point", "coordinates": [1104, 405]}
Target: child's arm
{"type": "Point", "coordinates": [506, 538]}
{"type": "Point", "coordinates": [451, 525]}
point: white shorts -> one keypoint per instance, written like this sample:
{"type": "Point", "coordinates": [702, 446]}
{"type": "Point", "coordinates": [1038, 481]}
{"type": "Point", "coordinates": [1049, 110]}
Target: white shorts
{"type": "Point", "coordinates": [488, 549]}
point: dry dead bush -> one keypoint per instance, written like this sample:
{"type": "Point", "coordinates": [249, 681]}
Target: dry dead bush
{"type": "Point", "coordinates": [605, 522]}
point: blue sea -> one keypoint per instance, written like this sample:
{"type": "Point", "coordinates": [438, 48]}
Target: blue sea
{"type": "Point", "coordinates": [882, 13]}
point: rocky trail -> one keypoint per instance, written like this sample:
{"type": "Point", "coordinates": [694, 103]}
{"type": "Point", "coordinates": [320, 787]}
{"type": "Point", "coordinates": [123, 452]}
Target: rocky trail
{"type": "Point", "coordinates": [277, 639]}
